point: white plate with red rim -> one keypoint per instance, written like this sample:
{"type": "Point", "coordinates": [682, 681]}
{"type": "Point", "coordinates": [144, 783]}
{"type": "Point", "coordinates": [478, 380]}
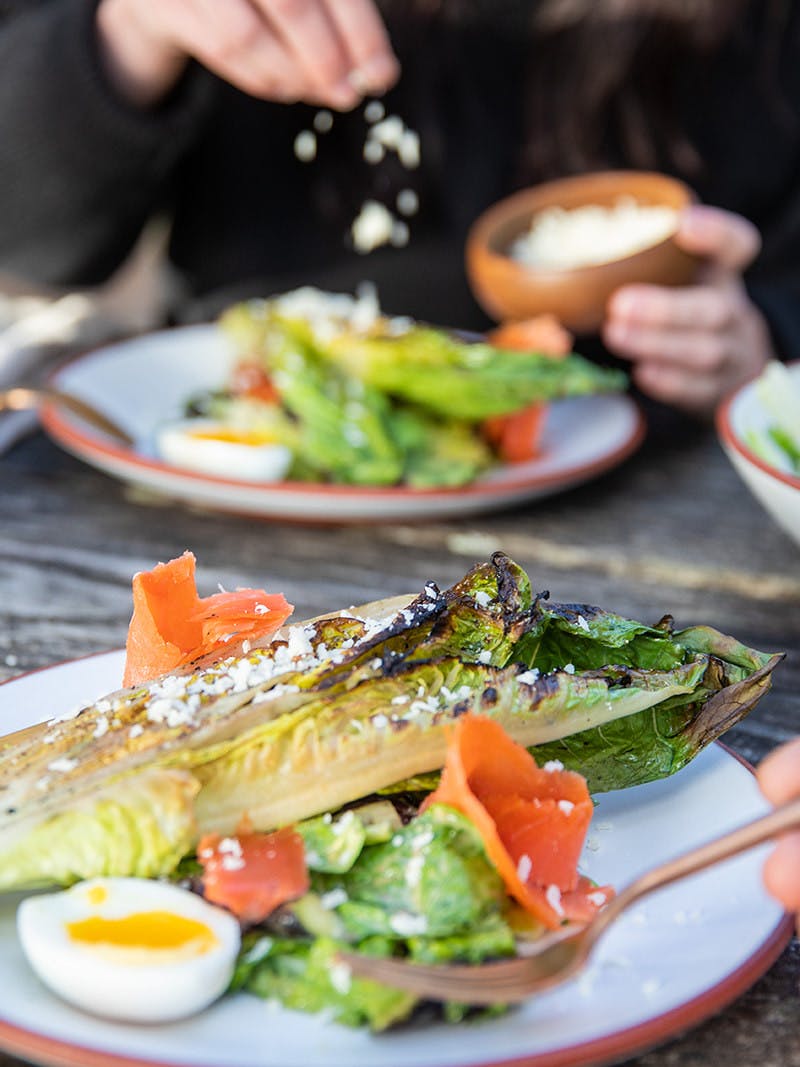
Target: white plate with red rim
{"type": "Point", "coordinates": [739, 416]}
{"type": "Point", "coordinates": [672, 961]}
{"type": "Point", "coordinates": [143, 383]}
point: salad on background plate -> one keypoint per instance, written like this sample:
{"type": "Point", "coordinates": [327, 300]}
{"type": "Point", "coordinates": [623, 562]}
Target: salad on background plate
{"type": "Point", "coordinates": [778, 441]}
{"type": "Point", "coordinates": [345, 414]}
{"type": "Point", "coordinates": [410, 778]}
{"type": "Point", "coordinates": [327, 388]}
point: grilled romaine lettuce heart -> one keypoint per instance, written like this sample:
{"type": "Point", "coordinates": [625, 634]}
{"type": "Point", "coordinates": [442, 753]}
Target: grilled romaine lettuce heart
{"type": "Point", "coordinates": [353, 703]}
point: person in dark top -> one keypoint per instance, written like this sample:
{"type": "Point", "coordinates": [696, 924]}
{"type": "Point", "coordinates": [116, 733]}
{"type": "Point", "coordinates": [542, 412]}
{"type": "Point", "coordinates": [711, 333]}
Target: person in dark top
{"type": "Point", "coordinates": [114, 111]}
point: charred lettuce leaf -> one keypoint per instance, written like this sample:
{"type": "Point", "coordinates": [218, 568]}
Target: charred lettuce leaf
{"type": "Point", "coordinates": [359, 702]}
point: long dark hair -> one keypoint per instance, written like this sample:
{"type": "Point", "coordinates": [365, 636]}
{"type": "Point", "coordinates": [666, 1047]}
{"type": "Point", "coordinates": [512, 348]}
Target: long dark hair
{"type": "Point", "coordinates": [606, 72]}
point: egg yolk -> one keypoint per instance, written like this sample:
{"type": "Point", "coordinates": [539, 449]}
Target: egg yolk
{"type": "Point", "coordinates": [234, 437]}
{"type": "Point", "coordinates": [144, 930]}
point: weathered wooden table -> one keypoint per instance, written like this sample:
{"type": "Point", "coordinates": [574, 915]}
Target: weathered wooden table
{"type": "Point", "coordinates": [672, 530]}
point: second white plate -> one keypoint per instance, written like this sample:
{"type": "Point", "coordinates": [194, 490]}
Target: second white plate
{"type": "Point", "coordinates": [144, 382]}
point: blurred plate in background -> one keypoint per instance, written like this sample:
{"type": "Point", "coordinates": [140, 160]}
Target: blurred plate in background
{"type": "Point", "coordinates": [144, 382]}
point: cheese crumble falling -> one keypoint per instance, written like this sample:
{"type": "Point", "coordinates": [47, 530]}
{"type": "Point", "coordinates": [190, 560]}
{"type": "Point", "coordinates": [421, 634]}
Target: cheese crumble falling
{"type": "Point", "coordinates": [375, 224]}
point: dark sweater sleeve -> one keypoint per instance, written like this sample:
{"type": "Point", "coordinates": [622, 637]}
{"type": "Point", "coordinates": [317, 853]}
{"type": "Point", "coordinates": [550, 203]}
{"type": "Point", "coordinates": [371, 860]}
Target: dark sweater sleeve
{"type": "Point", "coordinates": [80, 171]}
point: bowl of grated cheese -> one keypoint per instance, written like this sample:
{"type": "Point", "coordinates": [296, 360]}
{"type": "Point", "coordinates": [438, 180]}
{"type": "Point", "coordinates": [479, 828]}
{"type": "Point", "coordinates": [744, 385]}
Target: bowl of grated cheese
{"type": "Point", "coordinates": [564, 247]}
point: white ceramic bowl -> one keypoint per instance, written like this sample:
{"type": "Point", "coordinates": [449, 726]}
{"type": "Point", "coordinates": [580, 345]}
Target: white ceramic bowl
{"type": "Point", "coordinates": [778, 491]}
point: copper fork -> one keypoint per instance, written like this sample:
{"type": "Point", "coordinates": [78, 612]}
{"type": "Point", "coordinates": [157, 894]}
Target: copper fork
{"type": "Point", "coordinates": [23, 398]}
{"type": "Point", "coordinates": [560, 955]}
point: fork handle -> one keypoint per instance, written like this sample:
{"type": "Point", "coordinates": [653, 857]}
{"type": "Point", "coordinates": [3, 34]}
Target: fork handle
{"type": "Point", "coordinates": [786, 817]}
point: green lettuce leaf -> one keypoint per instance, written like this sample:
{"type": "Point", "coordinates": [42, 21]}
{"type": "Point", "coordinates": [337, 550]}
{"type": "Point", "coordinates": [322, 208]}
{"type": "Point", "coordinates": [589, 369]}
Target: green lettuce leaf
{"type": "Point", "coordinates": [141, 827]}
{"type": "Point", "coordinates": [462, 380]}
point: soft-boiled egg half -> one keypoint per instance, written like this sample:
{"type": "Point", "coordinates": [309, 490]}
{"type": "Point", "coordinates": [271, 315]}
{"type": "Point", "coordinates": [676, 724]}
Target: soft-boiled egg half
{"type": "Point", "coordinates": [129, 948]}
{"type": "Point", "coordinates": [209, 447]}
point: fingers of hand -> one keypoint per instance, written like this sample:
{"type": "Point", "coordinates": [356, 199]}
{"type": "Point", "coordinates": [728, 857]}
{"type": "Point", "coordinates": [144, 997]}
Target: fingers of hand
{"type": "Point", "coordinates": [373, 66]}
{"type": "Point", "coordinates": [233, 41]}
{"type": "Point", "coordinates": [779, 773]}
{"type": "Point", "coordinates": [697, 307]}
{"type": "Point", "coordinates": [704, 352]}
{"type": "Point", "coordinates": [729, 240]}
{"type": "Point", "coordinates": [679, 387]}
{"type": "Point", "coordinates": [779, 779]}
{"type": "Point", "coordinates": [289, 49]}
{"type": "Point", "coordinates": [341, 47]}
{"type": "Point", "coordinates": [691, 345]}
{"type": "Point", "coordinates": [782, 872]}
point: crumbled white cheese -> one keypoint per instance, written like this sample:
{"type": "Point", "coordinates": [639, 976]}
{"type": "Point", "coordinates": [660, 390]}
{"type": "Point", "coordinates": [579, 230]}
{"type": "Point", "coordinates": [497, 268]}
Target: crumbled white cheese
{"type": "Point", "coordinates": [305, 146]}
{"type": "Point", "coordinates": [529, 677]}
{"type": "Point", "coordinates": [566, 806]}
{"type": "Point", "coordinates": [299, 642]}
{"type": "Point", "coordinates": [333, 898]}
{"type": "Point", "coordinates": [409, 150]}
{"type": "Point", "coordinates": [372, 227]}
{"type": "Point", "coordinates": [561, 238]}
{"type": "Point", "coordinates": [414, 869]}
{"type": "Point", "coordinates": [63, 765]}
{"type": "Point", "coordinates": [400, 235]}
{"type": "Point", "coordinates": [407, 925]}
{"type": "Point", "coordinates": [341, 978]}
{"type": "Point", "coordinates": [374, 111]}
{"type": "Point", "coordinates": [553, 897]}
{"type": "Point", "coordinates": [553, 765]}
{"type": "Point", "coordinates": [230, 846]}
{"type": "Point", "coordinates": [524, 867]}
{"type": "Point", "coordinates": [170, 712]}
{"type": "Point", "coordinates": [101, 727]}
{"type": "Point", "coordinates": [407, 202]}
{"type": "Point", "coordinates": [373, 152]}
{"type": "Point", "coordinates": [323, 121]}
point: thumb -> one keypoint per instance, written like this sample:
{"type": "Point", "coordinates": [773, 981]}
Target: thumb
{"type": "Point", "coordinates": [728, 240]}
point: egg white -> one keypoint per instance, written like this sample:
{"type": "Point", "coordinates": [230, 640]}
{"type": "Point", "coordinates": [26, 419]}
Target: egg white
{"type": "Point", "coordinates": [179, 445]}
{"type": "Point", "coordinates": [129, 983]}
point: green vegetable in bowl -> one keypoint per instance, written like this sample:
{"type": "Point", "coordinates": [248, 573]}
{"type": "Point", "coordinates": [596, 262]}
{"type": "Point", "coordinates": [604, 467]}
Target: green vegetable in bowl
{"type": "Point", "coordinates": [778, 444]}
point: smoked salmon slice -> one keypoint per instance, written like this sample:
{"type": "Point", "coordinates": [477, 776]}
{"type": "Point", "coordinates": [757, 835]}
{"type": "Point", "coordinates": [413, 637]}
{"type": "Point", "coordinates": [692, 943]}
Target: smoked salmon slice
{"type": "Point", "coordinates": [533, 820]}
{"type": "Point", "coordinates": [172, 626]}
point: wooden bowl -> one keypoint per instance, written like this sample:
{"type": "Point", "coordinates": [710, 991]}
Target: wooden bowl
{"type": "Point", "coordinates": [508, 289]}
